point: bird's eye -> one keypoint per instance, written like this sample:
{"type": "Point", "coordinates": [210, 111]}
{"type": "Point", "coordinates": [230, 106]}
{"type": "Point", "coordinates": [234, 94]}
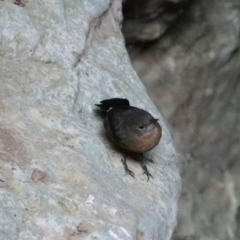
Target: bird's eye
{"type": "Point", "coordinates": [141, 127]}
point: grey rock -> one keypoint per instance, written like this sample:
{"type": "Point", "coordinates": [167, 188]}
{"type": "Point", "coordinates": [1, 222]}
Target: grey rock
{"type": "Point", "coordinates": [146, 21]}
{"type": "Point", "coordinates": [192, 73]}
{"type": "Point", "coordinates": [59, 176]}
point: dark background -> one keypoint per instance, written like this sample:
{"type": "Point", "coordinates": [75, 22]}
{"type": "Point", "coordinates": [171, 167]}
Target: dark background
{"type": "Point", "coordinates": [186, 52]}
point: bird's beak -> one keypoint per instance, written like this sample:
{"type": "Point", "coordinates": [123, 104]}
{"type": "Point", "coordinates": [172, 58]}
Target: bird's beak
{"type": "Point", "coordinates": [154, 120]}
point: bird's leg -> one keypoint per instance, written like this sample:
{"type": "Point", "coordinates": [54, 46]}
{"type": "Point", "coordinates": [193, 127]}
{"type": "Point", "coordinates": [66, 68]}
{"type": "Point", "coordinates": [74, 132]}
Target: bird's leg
{"type": "Point", "coordinates": [144, 167]}
{"type": "Point", "coordinates": [148, 159]}
{"type": "Point", "coordinates": [127, 170]}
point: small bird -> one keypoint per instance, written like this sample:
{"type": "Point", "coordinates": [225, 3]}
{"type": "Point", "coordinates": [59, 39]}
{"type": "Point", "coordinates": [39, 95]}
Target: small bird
{"type": "Point", "coordinates": [130, 128]}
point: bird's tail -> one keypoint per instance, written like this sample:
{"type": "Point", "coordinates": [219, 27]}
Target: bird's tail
{"type": "Point", "coordinates": [113, 103]}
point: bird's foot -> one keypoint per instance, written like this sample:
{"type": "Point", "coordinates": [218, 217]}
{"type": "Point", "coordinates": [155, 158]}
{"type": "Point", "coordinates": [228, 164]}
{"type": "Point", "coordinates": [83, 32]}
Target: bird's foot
{"type": "Point", "coordinates": [145, 171]}
{"type": "Point", "coordinates": [127, 170]}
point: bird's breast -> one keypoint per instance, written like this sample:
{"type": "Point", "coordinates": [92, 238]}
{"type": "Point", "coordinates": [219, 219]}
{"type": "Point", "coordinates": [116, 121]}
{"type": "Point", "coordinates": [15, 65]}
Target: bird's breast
{"type": "Point", "coordinates": [145, 142]}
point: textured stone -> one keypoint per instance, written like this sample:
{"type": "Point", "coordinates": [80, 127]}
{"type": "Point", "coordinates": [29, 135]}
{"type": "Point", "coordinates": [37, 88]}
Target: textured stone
{"type": "Point", "coordinates": [192, 73]}
{"type": "Point", "coordinates": [59, 176]}
{"type": "Point", "coordinates": [146, 21]}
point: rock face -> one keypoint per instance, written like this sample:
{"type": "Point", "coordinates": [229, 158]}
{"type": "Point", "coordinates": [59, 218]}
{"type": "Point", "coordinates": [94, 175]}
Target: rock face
{"type": "Point", "coordinates": [60, 178]}
{"type": "Point", "coordinates": [192, 73]}
{"type": "Point", "coordinates": [148, 20]}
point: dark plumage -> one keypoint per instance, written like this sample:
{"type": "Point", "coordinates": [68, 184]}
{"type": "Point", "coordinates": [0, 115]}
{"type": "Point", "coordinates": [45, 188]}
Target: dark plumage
{"type": "Point", "coordinates": [131, 128]}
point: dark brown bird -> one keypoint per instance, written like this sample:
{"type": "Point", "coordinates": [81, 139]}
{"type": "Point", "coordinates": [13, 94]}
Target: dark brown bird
{"type": "Point", "coordinates": [131, 128]}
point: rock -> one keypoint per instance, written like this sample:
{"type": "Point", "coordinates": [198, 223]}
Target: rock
{"type": "Point", "coordinates": [192, 73]}
{"type": "Point", "coordinates": [60, 178]}
{"type": "Point", "coordinates": [146, 21]}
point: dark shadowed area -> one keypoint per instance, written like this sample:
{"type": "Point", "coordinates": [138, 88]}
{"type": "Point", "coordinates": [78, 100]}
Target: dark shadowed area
{"type": "Point", "coordinates": [187, 55]}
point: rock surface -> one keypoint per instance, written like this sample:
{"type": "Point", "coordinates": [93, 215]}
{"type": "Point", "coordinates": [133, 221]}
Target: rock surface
{"type": "Point", "coordinates": [192, 73]}
{"type": "Point", "coordinates": [146, 21]}
{"type": "Point", "coordinates": [59, 176]}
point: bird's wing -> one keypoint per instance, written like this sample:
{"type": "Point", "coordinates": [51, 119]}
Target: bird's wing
{"type": "Point", "coordinates": [114, 125]}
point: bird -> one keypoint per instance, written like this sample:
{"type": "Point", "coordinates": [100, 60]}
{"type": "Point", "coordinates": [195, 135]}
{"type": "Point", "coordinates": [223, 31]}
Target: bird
{"type": "Point", "coordinates": [130, 128]}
